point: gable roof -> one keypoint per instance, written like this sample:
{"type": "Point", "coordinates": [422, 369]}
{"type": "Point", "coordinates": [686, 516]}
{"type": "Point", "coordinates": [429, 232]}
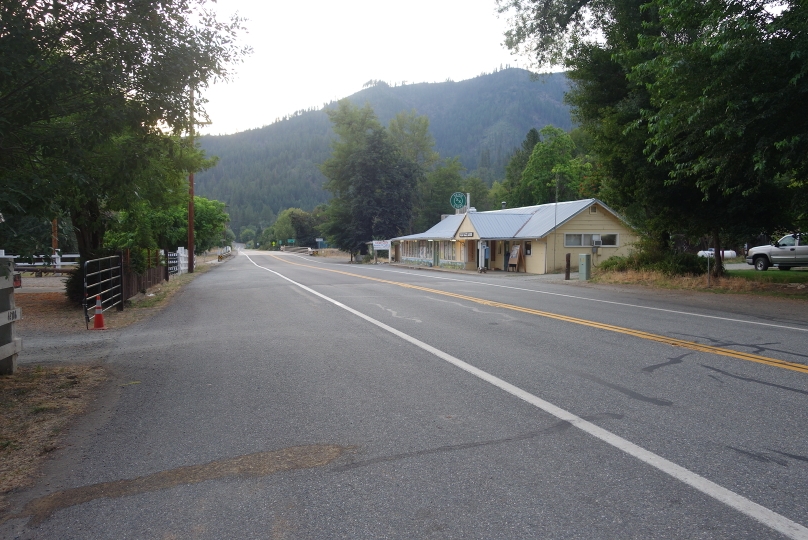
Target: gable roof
{"type": "Point", "coordinates": [547, 217]}
{"type": "Point", "coordinates": [494, 225]}
{"type": "Point", "coordinates": [523, 222]}
{"type": "Point", "coordinates": [443, 230]}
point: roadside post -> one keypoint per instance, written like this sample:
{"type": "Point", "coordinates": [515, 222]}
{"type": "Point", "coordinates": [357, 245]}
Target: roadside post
{"type": "Point", "coordinates": [567, 268]}
{"type": "Point", "coordinates": [10, 344]}
{"type": "Point", "coordinates": [584, 266]}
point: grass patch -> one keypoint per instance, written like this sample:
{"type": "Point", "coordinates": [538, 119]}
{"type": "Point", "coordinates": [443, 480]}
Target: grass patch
{"type": "Point", "coordinates": [43, 408]}
{"type": "Point", "coordinates": [166, 290]}
{"type": "Point", "coordinates": [37, 406]}
{"type": "Point", "coordinates": [728, 284]}
{"type": "Point", "coordinates": [772, 275]}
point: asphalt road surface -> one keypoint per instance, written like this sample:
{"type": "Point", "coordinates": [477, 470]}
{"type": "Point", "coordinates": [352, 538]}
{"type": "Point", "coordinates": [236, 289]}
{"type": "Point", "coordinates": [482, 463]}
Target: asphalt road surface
{"type": "Point", "coordinates": [282, 396]}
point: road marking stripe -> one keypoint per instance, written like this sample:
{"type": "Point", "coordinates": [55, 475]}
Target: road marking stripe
{"type": "Point", "coordinates": [740, 503]}
{"type": "Point", "coordinates": [750, 357]}
{"type": "Point", "coordinates": [487, 284]}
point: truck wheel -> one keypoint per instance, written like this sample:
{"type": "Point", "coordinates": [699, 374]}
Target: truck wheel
{"type": "Point", "coordinates": [784, 267]}
{"type": "Point", "coordinates": [762, 264]}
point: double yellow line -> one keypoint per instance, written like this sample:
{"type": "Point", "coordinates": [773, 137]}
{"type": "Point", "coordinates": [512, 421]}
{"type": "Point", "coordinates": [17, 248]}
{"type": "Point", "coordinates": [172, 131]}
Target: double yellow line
{"type": "Point", "coordinates": [592, 324]}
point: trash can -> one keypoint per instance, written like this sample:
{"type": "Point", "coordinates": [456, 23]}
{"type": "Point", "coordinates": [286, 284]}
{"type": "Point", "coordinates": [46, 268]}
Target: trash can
{"type": "Point", "coordinates": [584, 266]}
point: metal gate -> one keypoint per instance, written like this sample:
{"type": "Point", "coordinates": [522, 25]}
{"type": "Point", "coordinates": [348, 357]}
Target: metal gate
{"type": "Point", "coordinates": [103, 277]}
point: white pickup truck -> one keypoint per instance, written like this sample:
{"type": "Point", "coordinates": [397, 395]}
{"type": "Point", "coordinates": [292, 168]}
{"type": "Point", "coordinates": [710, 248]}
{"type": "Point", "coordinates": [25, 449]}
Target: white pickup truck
{"type": "Point", "coordinates": [785, 254]}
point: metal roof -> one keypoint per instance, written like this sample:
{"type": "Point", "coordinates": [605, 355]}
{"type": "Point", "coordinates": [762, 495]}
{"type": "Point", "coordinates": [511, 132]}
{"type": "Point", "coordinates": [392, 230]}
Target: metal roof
{"type": "Point", "coordinates": [546, 217]}
{"type": "Point", "coordinates": [497, 225]}
{"type": "Point", "coordinates": [524, 222]}
{"type": "Point", "coordinates": [444, 229]}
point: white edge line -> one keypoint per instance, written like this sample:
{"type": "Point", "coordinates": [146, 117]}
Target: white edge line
{"type": "Point", "coordinates": [740, 503]}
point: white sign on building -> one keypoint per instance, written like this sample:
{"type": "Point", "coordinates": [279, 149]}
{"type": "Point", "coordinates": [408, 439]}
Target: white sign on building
{"type": "Point", "coordinates": [381, 244]}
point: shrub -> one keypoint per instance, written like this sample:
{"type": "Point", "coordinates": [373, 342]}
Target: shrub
{"type": "Point", "coordinates": [671, 264]}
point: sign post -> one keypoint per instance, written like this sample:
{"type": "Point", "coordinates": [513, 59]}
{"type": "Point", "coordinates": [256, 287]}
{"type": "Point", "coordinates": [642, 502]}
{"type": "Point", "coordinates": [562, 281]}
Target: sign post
{"type": "Point", "coordinates": [381, 245]}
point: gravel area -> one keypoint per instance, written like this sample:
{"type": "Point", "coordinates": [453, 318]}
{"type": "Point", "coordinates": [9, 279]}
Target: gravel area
{"type": "Point", "coordinates": [33, 284]}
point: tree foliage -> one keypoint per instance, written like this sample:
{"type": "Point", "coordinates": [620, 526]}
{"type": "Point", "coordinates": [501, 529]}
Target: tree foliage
{"type": "Point", "coordinates": [693, 107]}
{"type": "Point", "coordinates": [373, 183]}
{"type": "Point", "coordinates": [434, 192]}
{"type": "Point", "coordinates": [729, 89]}
{"type": "Point", "coordinates": [295, 224]}
{"type": "Point", "coordinates": [146, 227]}
{"type": "Point", "coordinates": [557, 167]}
{"type": "Point", "coordinates": [90, 93]}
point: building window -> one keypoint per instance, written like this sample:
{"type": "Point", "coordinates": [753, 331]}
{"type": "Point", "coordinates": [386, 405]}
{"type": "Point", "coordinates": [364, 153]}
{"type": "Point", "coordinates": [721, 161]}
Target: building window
{"type": "Point", "coordinates": [590, 239]}
{"type": "Point", "coordinates": [527, 248]}
{"type": "Point", "coordinates": [447, 251]}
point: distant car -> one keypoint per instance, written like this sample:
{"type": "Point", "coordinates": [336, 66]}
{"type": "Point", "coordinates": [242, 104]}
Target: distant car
{"type": "Point", "coordinates": [725, 253]}
{"type": "Point", "coordinates": [785, 254]}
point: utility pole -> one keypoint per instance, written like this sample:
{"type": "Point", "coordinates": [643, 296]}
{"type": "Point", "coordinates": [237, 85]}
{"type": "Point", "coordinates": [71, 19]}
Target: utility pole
{"type": "Point", "coordinates": [191, 194]}
{"type": "Point", "coordinates": [555, 224]}
{"type": "Point", "coordinates": [55, 236]}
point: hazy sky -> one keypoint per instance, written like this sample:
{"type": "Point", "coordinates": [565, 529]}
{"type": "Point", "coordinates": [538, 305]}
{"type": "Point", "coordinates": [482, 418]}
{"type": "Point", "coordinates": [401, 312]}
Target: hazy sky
{"type": "Point", "coordinates": [306, 53]}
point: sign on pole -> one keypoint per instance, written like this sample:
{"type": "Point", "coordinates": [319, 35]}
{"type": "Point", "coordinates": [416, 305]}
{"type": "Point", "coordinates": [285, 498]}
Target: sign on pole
{"type": "Point", "coordinates": [381, 244]}
{"type": "Point", "coordinates": [458, 200]}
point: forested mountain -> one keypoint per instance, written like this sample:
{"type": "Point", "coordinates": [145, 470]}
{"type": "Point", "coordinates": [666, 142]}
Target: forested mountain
{"type": "Point", "coordinates": [480, 120]}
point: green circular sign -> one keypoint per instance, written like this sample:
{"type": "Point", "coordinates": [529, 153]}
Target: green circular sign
{"type": "Point", "coordinates": [458, 200]}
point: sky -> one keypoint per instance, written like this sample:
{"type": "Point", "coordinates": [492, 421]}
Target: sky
{"type": "Point", "coordinates": [307, 53]}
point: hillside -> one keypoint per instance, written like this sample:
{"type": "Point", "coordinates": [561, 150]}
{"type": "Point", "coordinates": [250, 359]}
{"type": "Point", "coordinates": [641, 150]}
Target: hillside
{"type": "Point", "coordinates": [480, 120]}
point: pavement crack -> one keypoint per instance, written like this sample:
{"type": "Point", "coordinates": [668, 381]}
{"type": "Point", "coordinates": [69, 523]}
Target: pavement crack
{"type": "Point", "coordinates": [557, 427]}
{"type": "Point", "coordinates": [758, 381]}
{"type": "Point", "coordinates": [792, 456]}
{"type": "Point", "coordinates": [760, 456]}
{"type": "Point", "coordinates": [396, 315]}
{"type": "Point", "coordinates": [622, 389]}
{"type": "Point", "coordinates": [250, 465]}
{"type": "Point", "coordinates": [756, 348]}
{"type": "Point", "coordinates": [475, 309]}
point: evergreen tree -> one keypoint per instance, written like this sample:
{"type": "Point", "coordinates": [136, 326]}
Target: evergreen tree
{"type": "Point", "coordinates": [372, 182]}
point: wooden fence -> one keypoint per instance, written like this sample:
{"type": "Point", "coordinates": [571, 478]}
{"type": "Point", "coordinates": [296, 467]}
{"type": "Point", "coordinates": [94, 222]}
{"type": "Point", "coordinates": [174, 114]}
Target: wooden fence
{"type": "Point", "coordinates": [154, 274]}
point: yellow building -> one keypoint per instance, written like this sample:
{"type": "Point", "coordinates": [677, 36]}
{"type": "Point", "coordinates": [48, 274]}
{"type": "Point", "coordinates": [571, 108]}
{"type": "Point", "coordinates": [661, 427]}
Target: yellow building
{"type": "Point", "coordinates": [533, 239]}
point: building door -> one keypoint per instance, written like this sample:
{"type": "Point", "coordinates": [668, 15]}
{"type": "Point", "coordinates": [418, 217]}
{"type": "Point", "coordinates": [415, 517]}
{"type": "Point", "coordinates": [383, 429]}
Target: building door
{"type": "Point", "coordinates": [435, 253]}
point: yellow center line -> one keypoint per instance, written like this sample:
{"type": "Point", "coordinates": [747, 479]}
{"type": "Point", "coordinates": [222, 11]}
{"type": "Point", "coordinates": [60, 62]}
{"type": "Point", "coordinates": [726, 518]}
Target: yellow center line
{"type": "Point", "coordinates": [593, 324]}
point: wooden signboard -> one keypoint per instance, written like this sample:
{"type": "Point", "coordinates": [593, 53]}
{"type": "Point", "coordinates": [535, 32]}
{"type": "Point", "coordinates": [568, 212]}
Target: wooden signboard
{"type": "Point", "coordinates": [515, 258]}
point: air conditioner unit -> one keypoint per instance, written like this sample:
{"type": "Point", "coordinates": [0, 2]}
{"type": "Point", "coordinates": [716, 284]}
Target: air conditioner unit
{"type": "Point", "coordinates": [597, 242]}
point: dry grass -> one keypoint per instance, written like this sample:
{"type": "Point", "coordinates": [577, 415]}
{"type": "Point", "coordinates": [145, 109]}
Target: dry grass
{"type": "Point", "coordinates": [37, 404]}
{"type": "Point", "coordinates": [333, 252]}
{"type": "Point", "coordinates": [723, 285]}
{"type": "Point", "coordinates": [48, 312]}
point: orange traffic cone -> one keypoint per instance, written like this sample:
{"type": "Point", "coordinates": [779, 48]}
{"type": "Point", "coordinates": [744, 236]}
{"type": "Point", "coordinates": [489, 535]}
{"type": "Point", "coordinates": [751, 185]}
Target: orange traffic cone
{"type": "Point", "coordinates": [98, 320]}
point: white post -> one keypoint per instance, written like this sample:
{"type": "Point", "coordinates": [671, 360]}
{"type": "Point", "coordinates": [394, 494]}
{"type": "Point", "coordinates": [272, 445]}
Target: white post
{"type": "Point", "coordinates": [10, 344]}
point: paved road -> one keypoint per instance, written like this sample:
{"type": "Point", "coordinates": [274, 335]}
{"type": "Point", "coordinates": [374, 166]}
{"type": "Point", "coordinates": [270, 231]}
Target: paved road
{"type": "Point", "coordinates": [289, 397]}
